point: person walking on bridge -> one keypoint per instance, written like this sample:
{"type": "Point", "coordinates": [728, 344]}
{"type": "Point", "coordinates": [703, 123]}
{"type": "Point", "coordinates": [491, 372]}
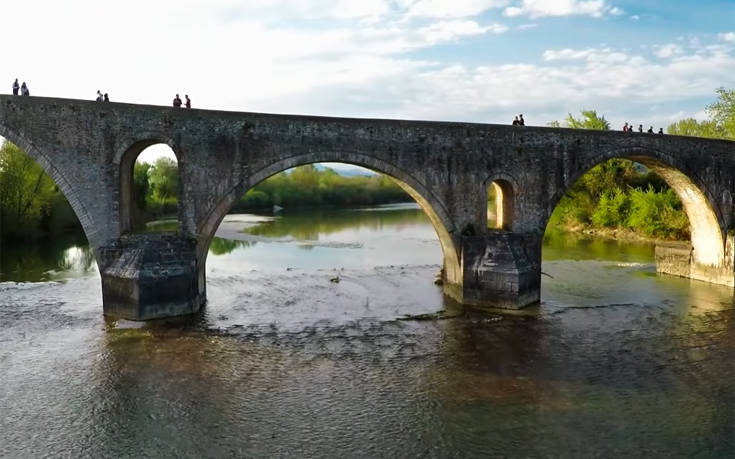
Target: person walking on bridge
{"type": "Point", "coordinates": [177, 101]}
{"type": "Point", "coordinates": [16, 87]}
{"type": "Point", "coordinates": [24, 90]}
{"type": "Point", "coordinates": [188, 101]}
{"type": "Point", "coordinates": [99, 96]}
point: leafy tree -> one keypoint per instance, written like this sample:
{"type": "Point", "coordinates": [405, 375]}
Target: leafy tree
{"type": "Point", "coordinates": [164, 179]}
{"type": "Point", "coordinates": [589, 120]}
{"type": "Point", "coordinates": [25, 193]}
{"type": "Point", "coordinates": [721, 124]}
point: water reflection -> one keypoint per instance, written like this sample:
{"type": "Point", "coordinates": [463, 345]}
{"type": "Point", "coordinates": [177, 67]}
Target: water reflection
{"type": "Point", "coordinates": [616, 361]}
{"type": "Point", "coordinates": [64, 256]}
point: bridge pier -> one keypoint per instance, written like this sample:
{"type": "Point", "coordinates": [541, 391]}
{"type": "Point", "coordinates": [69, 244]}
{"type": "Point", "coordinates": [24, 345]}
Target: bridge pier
{"type": "Point", "coordinates": [150, 276]}
{"type": "Point", "coordinates": [677, 259]}
{"type": "Point", "coordinates": [500, 269]}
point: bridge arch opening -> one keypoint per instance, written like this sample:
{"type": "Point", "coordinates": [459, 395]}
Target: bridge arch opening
{"type": "Point", "coordinates": [500, 205]}
{"type": "Point", "coordinates": [386, 180]}
{"type": "Point", "coordinates": [648, 194]}
{"type": "Point", "coordinates": [149, 189]}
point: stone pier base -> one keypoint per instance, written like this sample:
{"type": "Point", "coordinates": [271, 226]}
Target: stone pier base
{"type": "Point", "coordinates": [501, 270]}
{"type": "Point", "coordinates": [150, 276]}
{"type": "Point", "coordinates": [676, 259]}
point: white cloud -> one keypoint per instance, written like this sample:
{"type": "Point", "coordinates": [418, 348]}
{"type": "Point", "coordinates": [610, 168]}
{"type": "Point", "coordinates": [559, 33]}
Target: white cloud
{"type": "Point", "coordinates": [615, 11]}
{"type": "Point", "coordinates": [450, 30]}
{"type": "Point", "coordinates": [668, 50]}
{"type": "Point", "coordinates": [635, 17]}
{"type": "Point", "coordinates": [454, 8]}
{"type": "Point", "coordinates": [727, 36]}
{"type": "Point", "coordinates": [542, 8]}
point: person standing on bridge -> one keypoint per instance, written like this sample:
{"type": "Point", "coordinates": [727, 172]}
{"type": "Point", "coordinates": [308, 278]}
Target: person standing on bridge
{"type": "Point", "coordinates": [625, 127]}
{"type": "Point", "coordinates": [99, 96]}
{"type": "Point", "coordinates": [650, 130]}
{"type": "Point", "coordinates": [105, 98]}
{"type": "Point", "coordinates": [188, 101]}
{"type": "Point", "coordinates": [521, 121]}
{"type": "Point", "coordinates": [516, 122]}
{"type": "Point", "coordinates": [660, 130]}
{"type": "Point", "coordinates": [24, 90]}
{"type": "Point", "coordinates": [640, 128]}
{"type": "Point", "coordinates": [16, 87]}
{"type": "Point", "coordinates": [177, 101]}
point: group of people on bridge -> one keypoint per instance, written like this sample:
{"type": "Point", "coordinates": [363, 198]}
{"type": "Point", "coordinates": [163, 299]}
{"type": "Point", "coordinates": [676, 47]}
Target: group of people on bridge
{"type": "Point", "coordinates": [23, 88]}
{"type": "Point", "coordinates": [519, 121]}
{"type": "Point", "coordinates": [629, 128]}
{"type": "Point", "coordinates": [177, 101]}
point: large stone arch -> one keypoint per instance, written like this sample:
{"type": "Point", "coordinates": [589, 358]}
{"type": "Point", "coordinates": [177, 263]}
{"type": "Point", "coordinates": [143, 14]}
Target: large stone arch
{"type": "Point", "coordinates": [432, 206]}
{"type": "Point", "coordinates": [124, 162]}
{"type": "Point", "coordinates": [70, 193]}
{"type": "Point", "coordinates": [705, 218]}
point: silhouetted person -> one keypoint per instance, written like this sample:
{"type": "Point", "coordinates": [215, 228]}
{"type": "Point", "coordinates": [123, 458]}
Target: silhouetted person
{"type": "Point", "coordinates": [521, 121]}
{"type": "Point", "coordinates": [106, 98]}
{"type": "Point", "coordinates": [660, 130]}
{"type": "Point", "coordinates": [99, 96]}
{"type": "Point", "coordinates": [177, 101]}
{"type": "Point", "coordinates": [650, 130]}
{"type": "Point", "coordinates": [188, 101]}
{"type": "Point", "coordinates": [24, 90]}
{"type": "Point", "coordinates": [640, 128]}
{"type": "Point", "coordinates": [625, 127]}
{"type": "Point", "coordinates": [630, 127]}
{"type": "Point", "coordinates": [16, 87]}
{"type": "Point", "coordinates": [516, 122]}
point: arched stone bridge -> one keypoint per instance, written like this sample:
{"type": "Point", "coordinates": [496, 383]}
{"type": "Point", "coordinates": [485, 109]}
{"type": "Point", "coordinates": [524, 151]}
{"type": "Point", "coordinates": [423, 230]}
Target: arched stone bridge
{"type": "Point", "coordinates": [89, 149]}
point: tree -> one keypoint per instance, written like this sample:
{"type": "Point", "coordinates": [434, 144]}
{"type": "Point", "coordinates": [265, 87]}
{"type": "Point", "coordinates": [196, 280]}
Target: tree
{"type": "Point", "coordinates": [589, 120]}
{"type": "Point", "coordinates": [721, 124]}
{"type": "Point", "coordinates": [164, 179]}
{"type": "Point", "coordinates": [25, 193]}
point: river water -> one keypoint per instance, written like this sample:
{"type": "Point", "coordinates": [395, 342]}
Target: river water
{"type": "Point", "coordinates": [303, 351]}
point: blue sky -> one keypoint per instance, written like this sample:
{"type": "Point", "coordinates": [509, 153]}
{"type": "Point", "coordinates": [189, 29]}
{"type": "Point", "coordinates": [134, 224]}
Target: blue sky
{"type": "Point", "coordinates": [645, 62]}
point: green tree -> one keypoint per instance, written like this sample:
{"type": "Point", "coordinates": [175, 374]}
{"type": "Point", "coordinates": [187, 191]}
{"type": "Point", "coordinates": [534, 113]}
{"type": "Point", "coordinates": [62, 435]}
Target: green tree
{"type": "Point", "coordinates": [164, 179]}
{"type": "Point", "coordinates": [25, 193]}
{"type": "Point", "coordinates": [721, 124]}
{"type": "Point", "coordinates": [589, 120]}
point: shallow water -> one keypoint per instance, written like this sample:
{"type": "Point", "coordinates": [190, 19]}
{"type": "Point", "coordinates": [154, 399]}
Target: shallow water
{"type": "Point", "coordinates": [285, 362]}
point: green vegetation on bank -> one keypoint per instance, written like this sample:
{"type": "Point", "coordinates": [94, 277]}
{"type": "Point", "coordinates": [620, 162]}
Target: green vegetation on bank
{"type": "Point", "coordinates": [31, 205]}
{"type": "Point", "coordinates": [307, 186]}
{"type": "Point", "coordinates": [620, 194]}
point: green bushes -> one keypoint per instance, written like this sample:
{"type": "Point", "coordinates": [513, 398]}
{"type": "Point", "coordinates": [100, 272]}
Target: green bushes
{"type": "Point", "coordinates": [616, 195]}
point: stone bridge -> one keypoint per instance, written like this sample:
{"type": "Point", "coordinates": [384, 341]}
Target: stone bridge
{"type": "Point", "coordinates": [89, 149]}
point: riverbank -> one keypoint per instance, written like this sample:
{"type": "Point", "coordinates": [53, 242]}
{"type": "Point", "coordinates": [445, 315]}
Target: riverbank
{"type": "Point", "coordinates": [616, 234]}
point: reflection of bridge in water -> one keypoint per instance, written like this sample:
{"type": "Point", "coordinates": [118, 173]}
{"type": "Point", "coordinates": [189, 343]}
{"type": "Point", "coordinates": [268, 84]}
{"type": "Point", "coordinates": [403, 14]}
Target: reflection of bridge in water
{"type": "Point", "coordinates": [89, 150]}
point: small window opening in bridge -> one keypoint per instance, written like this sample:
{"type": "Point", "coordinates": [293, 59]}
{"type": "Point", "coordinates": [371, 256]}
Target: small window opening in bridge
{"type": "Point", "coordinates": [500, 205]}
{"type": "Point", "coordinates": [155, 191]}
{"type": "Point", "coordinates": [41, 237]}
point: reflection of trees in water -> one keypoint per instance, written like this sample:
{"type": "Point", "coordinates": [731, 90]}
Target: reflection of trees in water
{"type": "Point", "coordinates": [308, 225]}
{"type": "Point", "coordinates": [220, 246]}
{"type": "Point", "coordinates": [33, 262]}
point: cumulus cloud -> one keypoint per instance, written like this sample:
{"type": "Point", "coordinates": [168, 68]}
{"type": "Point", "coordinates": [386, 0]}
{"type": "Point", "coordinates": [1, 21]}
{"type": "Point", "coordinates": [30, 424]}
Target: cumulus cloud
{"type": "Point", "coordinates": [454, 8]}
{"type": "Point", "coordinates": [668, 50]}
{"type": "Point", "coordinates": [727, 36]}
{"type": "Point", "coordinates": [542, 8]}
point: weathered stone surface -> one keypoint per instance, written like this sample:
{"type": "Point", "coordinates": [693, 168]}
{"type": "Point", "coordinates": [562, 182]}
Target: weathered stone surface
{"type": "Point", "coordinates": [501, 270]}
{"type": "Point", "coordinates": [89, 149]}
{"type": "Point", "coordinates": [150, 276]}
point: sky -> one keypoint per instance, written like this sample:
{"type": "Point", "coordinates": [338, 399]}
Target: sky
{"type": "Point", "coordinates": [649, 62]}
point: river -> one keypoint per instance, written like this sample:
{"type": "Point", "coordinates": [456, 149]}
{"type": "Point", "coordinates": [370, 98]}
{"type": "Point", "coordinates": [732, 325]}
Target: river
{"type": "Point", "coordinates": [302, 352]}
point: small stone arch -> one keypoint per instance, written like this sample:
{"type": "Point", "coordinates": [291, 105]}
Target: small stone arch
{"type": "Point", "coordinates": [80, 210]}
{"type": "Point", "coordinates": [125, 161]}
{"type": "Point", "coordinates": [433, 207]}
{"type": "Point", "coordinates": [505, 188]}
{"type": "Point", "coordinates": [705, 217]}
